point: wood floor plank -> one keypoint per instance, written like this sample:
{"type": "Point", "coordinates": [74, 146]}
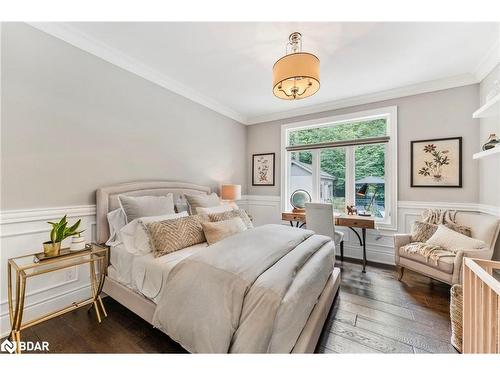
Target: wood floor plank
{"type": "Point", "coordinates": [369, 338]}
{"type": "Point", "coordinates": [392, 320]}
{"type": "Point", "coordinates": [379, 305]}
{"type": "Point", "coordinates": [324, 350]}
{"type": "Point", "coordinates": [406, 336]}
{"type": "Point", "coordinates": [342, 345]}
{"type": "Point", "coordinates": [420, 351]}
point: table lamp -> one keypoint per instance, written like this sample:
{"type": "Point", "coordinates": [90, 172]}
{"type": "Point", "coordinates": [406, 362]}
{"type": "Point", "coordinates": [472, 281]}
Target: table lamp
{"type": "Point", "coordinates": [362, 192]}
{"type": "Point", "coordinates": [230, 193]}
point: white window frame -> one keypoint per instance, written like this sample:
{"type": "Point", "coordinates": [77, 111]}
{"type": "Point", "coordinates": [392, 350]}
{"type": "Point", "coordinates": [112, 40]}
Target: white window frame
{"type": "Point", "coordinates": [389, 222]}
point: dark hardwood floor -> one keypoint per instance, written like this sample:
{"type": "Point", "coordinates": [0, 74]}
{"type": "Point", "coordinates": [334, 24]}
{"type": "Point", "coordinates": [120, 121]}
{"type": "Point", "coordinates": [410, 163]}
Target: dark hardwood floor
{"type": "Point", "coordinates": [373, 313]}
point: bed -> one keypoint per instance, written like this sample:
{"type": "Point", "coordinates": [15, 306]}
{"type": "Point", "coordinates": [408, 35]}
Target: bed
{"type": "Point", "coordinates": [138, 283]}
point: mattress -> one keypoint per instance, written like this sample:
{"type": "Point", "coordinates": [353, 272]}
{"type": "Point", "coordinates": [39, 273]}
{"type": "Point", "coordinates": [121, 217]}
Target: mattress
{"type": "Point", "coordinates": [145, 273]}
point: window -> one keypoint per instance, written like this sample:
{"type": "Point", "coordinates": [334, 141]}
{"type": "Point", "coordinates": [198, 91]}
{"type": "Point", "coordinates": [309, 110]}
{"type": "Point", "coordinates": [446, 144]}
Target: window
{"type": "Point", "coordinates": [348, 159]}
{"type": "Point", "coordinates": [332, 177]}
{"type": "Point", "coordinates": [300, 172]}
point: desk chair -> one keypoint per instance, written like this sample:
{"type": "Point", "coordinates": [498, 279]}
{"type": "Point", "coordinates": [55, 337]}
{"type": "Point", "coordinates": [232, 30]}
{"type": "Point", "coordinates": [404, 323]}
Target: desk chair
{"type": "Point", "coordinates": [319, 219]}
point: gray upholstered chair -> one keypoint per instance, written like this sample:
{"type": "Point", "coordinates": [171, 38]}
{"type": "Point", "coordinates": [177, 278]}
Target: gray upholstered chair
{"type": "Point", "coordinates": [319, 219]}
{"type": "Point", "coordinates": [448, 269]}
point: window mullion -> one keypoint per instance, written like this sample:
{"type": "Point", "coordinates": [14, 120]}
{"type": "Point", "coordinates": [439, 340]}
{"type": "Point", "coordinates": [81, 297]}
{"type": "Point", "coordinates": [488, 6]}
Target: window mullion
{"type": "Point", "coordinates": [315, 175]}
{"type": "Point", "coordinates": [350, 183]}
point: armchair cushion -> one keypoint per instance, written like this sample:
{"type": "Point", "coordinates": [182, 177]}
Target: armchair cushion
{"type": "Point", "coordinates": [445, 263]}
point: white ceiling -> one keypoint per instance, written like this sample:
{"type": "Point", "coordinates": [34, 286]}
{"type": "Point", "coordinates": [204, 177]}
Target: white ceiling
{"type": "Point", "coordinates": [227, 66]}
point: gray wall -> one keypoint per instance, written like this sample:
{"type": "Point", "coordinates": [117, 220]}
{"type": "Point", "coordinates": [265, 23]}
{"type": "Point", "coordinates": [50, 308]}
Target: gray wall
{"type": "Point", "coordinates": [446, 113]}
{"type": "Point", "coordinates": [72, 122]}
{"type": "Point", "coordinates": [489, 168]}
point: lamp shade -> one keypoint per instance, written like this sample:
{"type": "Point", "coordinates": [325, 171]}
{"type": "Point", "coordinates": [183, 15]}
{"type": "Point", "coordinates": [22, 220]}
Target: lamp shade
{"type": "Point", "coordinates": [296, 76]}
{"type": "Point", "coordinates": [230, 192]}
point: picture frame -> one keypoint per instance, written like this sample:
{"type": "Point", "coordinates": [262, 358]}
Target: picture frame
{"type": "Point", "coordinates": [263, 169]}
{"type": "Point", "coordinates": [436, 163]}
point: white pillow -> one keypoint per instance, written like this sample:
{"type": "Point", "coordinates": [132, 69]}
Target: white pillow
{"type": "Point", "coordinates": [134, 235]}
{"type": "Point", "coordinates": [451, 240]}
{"type": "Point", "coordinates": [116, 221]}
{"type": "Point", "coordinates": [215, 210]}
{"type": "Point", "coordinates": [137, 207]}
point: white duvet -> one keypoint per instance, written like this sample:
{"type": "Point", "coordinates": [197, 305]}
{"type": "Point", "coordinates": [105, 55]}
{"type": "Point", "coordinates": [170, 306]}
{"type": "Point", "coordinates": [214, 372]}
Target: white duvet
{"type": "Point", "coordinates": [249, 293]}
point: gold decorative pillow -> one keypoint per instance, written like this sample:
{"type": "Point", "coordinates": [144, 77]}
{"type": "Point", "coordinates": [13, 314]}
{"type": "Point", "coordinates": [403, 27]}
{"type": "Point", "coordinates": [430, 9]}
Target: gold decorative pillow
{"type": "Point", "coordinates": [232, 214]}
{"type": "Point", "coordinates": [421, 231]}
{"type": "Point", "coordinates": [168, 236]}
{"type": "Point", "coordinates": [218, 230]}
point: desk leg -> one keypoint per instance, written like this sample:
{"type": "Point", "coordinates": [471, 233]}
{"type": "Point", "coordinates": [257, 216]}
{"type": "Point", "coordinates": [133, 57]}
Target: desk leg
{"type": "Point", "coordinates": [362, 242]}
{"type": "Point", "coordinates": [363, 234]}
{"type": "Point", "coordinates": [297, 224]}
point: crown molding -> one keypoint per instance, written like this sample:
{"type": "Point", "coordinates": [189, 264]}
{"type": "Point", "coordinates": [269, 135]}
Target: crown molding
{"type": "Point", "coordinates": [419, 88]}
{"type": "Point", "coordinates": [88, 44]}
{"type": "Point", "coordinates": [71, 35]}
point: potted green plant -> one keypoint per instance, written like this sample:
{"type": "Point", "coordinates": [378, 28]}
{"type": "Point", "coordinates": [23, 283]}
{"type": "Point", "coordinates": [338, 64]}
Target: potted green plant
{"type": "Point", "coordinates": [59, 232]}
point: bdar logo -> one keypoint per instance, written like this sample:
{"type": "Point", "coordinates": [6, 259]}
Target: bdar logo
{"type": "Point", "coordinates": [8, 346]}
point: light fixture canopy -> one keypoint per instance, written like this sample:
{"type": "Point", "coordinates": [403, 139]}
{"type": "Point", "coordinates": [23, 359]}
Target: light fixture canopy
{"type": "Point", "coordinates": [296, 75]}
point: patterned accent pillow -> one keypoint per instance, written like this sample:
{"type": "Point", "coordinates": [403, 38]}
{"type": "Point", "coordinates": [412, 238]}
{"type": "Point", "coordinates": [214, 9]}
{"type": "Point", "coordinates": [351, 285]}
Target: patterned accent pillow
{"type": "Point", "coordinates": [231, 214]}
{"type": "Point", "coordinates": [168, 236]}
{"type": "Point", "coordinates": [466, 231]}
{"type": "Point", "coordinates": [421, 231]}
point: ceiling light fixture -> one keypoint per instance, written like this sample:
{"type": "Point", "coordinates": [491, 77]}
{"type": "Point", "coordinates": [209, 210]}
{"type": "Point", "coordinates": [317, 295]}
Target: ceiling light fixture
{"type": "Point", "coordinates": [296, 75]}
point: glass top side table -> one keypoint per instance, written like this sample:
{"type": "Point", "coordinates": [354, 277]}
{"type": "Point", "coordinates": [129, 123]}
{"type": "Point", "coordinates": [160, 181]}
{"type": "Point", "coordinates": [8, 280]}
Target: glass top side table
{"type": "Point", "coordinates": [28, 266]}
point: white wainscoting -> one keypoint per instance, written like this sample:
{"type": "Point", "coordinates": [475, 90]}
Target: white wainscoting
{"type": "Point", "coordinates": [23, 231]}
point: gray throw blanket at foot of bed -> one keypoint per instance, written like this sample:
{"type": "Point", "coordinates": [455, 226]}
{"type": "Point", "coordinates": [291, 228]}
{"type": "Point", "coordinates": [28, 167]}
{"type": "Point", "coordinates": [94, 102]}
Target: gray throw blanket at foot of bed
{"type": "Point", "coordinates": [228, 298]}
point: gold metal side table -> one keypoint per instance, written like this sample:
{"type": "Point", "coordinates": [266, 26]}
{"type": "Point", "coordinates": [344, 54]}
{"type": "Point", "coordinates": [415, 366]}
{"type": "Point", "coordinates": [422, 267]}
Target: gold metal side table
{"type": "Point", "coordinates": [28, 266]}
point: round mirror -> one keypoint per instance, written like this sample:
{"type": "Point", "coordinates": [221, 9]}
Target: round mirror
{"type": "Point", "coordinates": [299, 198]}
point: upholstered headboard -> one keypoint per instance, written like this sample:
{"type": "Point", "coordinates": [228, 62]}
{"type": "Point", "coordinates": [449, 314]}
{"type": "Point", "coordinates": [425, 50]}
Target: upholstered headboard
{"type": "Point", "coordinates": [107, 198]}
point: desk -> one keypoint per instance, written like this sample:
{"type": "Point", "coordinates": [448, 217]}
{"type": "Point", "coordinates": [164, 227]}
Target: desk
{"type": "Point", "coordinates": [341, 220]}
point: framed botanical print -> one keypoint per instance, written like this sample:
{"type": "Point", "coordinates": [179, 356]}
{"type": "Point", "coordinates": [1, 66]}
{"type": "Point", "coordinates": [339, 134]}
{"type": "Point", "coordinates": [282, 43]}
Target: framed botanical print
{"type": "Point", "coordinates": [436, 162]}
{"type": "Point", "coordinates": [263, 166]}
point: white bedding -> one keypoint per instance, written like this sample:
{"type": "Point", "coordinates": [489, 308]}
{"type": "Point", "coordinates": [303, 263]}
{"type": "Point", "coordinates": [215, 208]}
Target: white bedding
{"type": "Point", "coordinates": [249, 293]}
{"type": "Point", "coordinates": [148, 276]}
{"type": "Point", "coordinates": [145, 273]}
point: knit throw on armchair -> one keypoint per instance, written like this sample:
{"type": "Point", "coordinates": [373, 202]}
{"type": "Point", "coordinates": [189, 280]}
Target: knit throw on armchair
{"type": "Point", "coordinates": [431, 252]}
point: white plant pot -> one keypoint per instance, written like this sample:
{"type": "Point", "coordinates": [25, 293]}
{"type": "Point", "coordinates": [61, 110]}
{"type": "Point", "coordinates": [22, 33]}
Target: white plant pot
{"type": "Point", "coordinates": [77, 243]}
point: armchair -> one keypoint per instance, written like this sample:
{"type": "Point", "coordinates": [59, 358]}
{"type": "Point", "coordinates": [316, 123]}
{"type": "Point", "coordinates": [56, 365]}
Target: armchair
{"type": "Point", "coordinates": [449, 269]}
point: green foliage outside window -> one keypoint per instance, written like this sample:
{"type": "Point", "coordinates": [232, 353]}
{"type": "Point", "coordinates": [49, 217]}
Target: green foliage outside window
{"type": "Point", "coordinates": [370, 159]}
